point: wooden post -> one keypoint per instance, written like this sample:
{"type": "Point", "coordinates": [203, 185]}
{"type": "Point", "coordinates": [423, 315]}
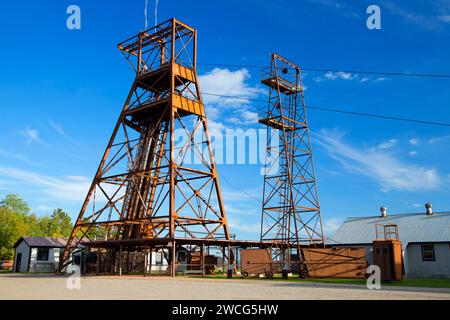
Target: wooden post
{"type": "Point", "coordinates": [128, 261]}
{"type": "Point", "coordinates": [99, 256]}
{"type": "Point", "coordinates": [145, 261]}
{"type": "Point", "coordinates": [202, 259]}
{"type": "Point", "coordinates": [113, 261]}
{"type": "Point", "coordinates": [236, 259]}
{"type": "Point", "coordinates": [150, 261]}
{"type": "Point", "coordinates": [174, 259]}
{"type": "Point", "coordinates": [223, 260]}
{"type": "Point", "coordinates": [230, 262]}
{"type": "Point", "coordinates": [120, 261]}
{"type": "Point", "coordinates": [83, 262]}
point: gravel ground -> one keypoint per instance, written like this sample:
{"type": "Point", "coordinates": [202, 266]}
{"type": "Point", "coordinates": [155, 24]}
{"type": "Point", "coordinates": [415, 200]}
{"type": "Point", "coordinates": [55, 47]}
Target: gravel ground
{"type": "Point", "coordinates": [28, 286]}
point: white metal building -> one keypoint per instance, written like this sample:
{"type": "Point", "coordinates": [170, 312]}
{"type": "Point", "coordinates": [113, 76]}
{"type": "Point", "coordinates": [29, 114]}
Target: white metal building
{"type": "Point", "coordinates": [425, 240]}
{"type": "Point", "coordinates": [38, 254]}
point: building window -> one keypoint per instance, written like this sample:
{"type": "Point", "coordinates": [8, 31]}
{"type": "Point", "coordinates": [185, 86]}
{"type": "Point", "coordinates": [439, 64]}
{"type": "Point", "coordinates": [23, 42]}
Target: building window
{"type": "Point", "coordinates": [42, 254]}
{"type": "Point", "coordinates": [159, 258]}
{"type": "Point", "coordinates": [428, 252]}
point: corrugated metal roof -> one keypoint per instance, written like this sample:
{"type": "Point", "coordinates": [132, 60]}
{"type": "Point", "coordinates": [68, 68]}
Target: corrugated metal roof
{"type": "Point", "coordinates": [413, 227]}
{"type": "Point", "coordinates": [44, 242]}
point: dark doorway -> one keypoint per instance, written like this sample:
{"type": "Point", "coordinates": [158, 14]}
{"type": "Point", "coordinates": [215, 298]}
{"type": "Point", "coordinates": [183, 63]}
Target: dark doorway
{"type": "Point", "coordinates": [18, 262]}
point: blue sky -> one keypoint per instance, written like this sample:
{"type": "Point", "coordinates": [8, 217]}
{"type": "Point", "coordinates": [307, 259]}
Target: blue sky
{"type": "Point", "coordinates": [61, 91]}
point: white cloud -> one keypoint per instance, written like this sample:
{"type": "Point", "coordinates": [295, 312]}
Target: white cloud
{"type": "Point", "coordinates": [250, 116]}
{"type": "Point", "coordinates": [58, 128]}
{"type": "Point", "coordinates": [428, 21]}
{"type": "Point", "coordinates": [32, 135]}
{"type": "Point", "coordinates": [346, 76]}
{"type": "Point", "coordinates": [341, 8]}
{"type": "Point", "coordinates": [216, 127]}
{"type": "Point", "coordinates": [224, 82]}
{"type": "Point", "coordinates": [17, 156]}
{"type": "Point", "coordinates": [234, 120]}
{"type": "Point", "coordinates": [240, 209]}
{"type": "Point", "coordinates": [412, 153]}
{"type": "Point", "coordinates": [414, 141]}
{"type": "Point", "coordinates": [388, 144]}
{"type": "Point", "coordinates": [382, 167]}
{"type": "Point", "coordinates": [439, 139]}
{"type": "Point", "coordinates": [240, 194]}
{"type": "Point", "coordinates": [380, 79]}
{"type": "Point", "coordinates": [244, 118]}
{"type": "Point", "coordinates": [253, 228]}
{"type": "Point", "coordinates": [68, 188]}
{"type": "Point", "coordinates": [330, 225]}
{"type": "Point", "coordinates": [445, 18]}
{"type": "Point", "coordinates": [330, 75]}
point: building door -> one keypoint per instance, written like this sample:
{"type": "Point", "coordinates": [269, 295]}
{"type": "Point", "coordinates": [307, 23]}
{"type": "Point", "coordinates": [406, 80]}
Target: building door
{"type": "Point", "coordinates": [18, 261]}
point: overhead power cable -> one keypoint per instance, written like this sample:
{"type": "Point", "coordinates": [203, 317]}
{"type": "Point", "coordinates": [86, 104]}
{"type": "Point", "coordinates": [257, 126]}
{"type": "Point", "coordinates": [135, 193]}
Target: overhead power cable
{"type": "Point", "coordinates": [380, 73]}
{"type": "Point", "coordinates": [337, 110]}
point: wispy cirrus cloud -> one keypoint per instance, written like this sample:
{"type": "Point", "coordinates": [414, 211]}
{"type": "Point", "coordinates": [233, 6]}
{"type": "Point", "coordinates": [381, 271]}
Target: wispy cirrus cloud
{"type": "Point", "coordinates": [67, 188]}
{"type": "Point", "coordinates": [436, 15]}
{"type": "Point", "coordinates": [388, 144]}
{"type": "Point", "coordinates": [440, 139]}
{"type": "Point", "coordinates": [58, 128]}
{"type": "Point", "coordinates": [251, 229]}
{"type": "Point", "coordinates": [384, 168]}
{"type": "Point", "coordinates": [5, 153]}
{"type": "Point", "coordinates": [32, 136]}
{"type": "Point", "coordinates": [341, 8]}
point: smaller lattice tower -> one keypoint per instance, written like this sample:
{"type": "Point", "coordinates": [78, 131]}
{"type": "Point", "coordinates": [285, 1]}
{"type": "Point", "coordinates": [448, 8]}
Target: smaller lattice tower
{"type": "Point", "coordinates": [290, 212]}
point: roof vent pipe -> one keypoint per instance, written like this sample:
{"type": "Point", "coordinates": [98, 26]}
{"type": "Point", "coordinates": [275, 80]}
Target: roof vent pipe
{"type": "Point", "coordinates": [429, 208]}
{"type": "Point", "coordinates": [383, 211]}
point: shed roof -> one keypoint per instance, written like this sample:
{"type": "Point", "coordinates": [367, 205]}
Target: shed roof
{"type": "Point", "coordinates": [43, 242]}
{"type": "Point", "coordinates": [412, 227]}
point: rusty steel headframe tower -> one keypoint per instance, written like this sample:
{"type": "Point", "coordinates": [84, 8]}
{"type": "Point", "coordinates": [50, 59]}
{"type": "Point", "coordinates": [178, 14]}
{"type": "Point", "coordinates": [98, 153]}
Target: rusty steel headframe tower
{"type": "Point", "coordinates": [157, 178]}
{"type": "Point", "coordinates": [290, 212]}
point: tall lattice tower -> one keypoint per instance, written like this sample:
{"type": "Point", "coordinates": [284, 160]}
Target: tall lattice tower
{"type": "Point", "coordinates": [291, 211]}
{"type": "Point", "coordinates": [157, 178]}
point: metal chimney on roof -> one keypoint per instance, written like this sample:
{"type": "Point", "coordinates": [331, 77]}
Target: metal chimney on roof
{"type": "Point", "coordinates": [383, 211]}
{"type": "Point", "coordinates": [429, 208]}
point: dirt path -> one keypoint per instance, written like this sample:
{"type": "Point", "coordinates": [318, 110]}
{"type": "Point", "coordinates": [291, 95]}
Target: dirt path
{"type": "Point", "coordinates": [23, 286]}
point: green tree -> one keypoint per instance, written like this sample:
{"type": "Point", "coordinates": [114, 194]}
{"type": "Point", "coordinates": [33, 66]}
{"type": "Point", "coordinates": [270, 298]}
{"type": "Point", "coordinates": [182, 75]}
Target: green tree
{"type": "Point", "coordinates": [62, 223]}
{"type": "Point", "coordinates": [15, 203]}
{"type": "Point", "coordinates": [58, 224]}
{"type": "Point", "coordinates": [12, 227]}
{"type": "Point", "coordinates": [17, 221]}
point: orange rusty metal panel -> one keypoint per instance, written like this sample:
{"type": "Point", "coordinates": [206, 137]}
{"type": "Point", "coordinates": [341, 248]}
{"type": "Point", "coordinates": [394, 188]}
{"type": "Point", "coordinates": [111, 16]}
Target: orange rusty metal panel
{"type": "Point", "coordinates": [183, 72]}
{"type": "Point", "coordinates": [336, 262]}
{"type": "Point", "coordinates": [196, 262]}
{"type": "Point", "coordinates": [188, 105]}
{"type": "Point", "coordinates": [256, 261]}
{"type": "Point", "coordinates": [387, 254]}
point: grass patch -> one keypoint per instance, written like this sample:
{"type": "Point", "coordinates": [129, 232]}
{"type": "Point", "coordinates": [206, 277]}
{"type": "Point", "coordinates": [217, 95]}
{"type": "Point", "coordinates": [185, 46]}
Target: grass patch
{"type": "Point", "coordinates": [423, 283]}
{"type": "Point", "coordinates": [5, 271]}
{"type": "Point", "coordinates": [420, 283]}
